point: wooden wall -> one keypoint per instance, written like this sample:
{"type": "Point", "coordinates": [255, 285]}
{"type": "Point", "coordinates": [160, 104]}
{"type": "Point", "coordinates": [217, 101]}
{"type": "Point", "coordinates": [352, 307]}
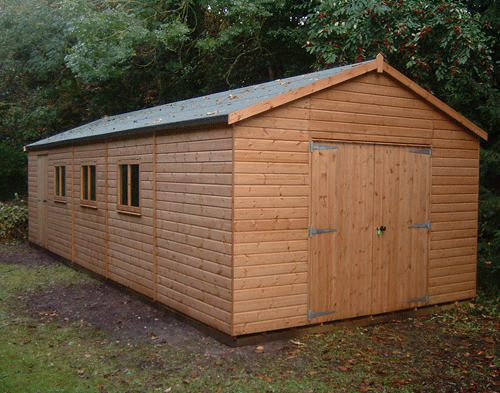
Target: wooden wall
{"type": "Point", "coordinates": [194, 224]}
{"type": "Point", "coordinates": [271, 218]}
{"type": "Point", "coordinates": [59, 212]}
{"type": "Point", "coordinates": [33, 225]}
{"type": "Point", "coordinates": [272, 193]}
{"type": "Point", "coordinates": [89, 229]}
{"type": "Point", "coordinates": [177, 249]}
{"type": "Point", "coordinates": [454, 202]}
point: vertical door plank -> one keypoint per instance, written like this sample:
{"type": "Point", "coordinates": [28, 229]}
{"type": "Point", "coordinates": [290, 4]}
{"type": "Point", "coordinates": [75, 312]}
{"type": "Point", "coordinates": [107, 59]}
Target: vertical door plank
{"type": "Point", "coordinates": [324, 178]}
{"type": "Point", "coordinates": [353, 207]}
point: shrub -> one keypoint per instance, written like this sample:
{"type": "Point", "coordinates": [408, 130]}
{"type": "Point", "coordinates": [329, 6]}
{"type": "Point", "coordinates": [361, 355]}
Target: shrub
{"type": "Point", "coordinates": [13, 221]}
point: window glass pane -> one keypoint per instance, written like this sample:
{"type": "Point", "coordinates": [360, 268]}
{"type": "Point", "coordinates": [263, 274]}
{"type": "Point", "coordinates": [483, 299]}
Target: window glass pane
{"type": "Point", "coordinates": [57, 186]}
{"type": "Point", "coordinates": [124, 184]}
{"type": "Point", "coordinates": [63, 181]}
{"type": "Point", "coordinates": [85, 182]}
{"type": "Point", "coordinates": [134, 180]}
{"type": "Point", "coordinates": [92, 183]}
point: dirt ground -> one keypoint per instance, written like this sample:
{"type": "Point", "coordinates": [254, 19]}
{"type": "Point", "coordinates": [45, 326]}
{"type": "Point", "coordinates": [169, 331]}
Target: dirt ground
{"type": "Point", "coordinates": [123, 316]}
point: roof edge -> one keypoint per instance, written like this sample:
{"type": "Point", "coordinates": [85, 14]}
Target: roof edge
{"type": "Point", "coordinates": [301, 92]}
{"type": "Point", "coordinates": [221, 119]}
{"type": "Point", "coordinates": [380, 65]}
{"type": "Point", "coordinates": [433, 100]}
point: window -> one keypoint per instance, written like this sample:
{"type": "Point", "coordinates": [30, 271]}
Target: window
{"type": "Point", "coordinates": [60, 183]}
{"type": "Point", "coordinates": [88, 191]}
{"type": "Point", "coordinates": [129, 192]}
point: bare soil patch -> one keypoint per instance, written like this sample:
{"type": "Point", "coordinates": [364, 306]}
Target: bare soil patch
{"type": "Point", "coordinates": [123, 316]}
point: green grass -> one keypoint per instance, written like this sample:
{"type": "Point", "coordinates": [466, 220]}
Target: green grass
{"type": "Point", "coordinates": [450, 351]}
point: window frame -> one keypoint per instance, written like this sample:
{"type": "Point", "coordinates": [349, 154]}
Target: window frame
{"type": "Point", "coordinates": [88, 185]}
{"type": "Point", "coordinates": [60, 183]}
{"type": "Point", "coordinates": [129, 203]}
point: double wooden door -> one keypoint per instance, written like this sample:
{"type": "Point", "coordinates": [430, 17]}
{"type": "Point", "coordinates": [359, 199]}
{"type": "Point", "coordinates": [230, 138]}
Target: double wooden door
{"type": "Point", "coordinates": [369, 229]}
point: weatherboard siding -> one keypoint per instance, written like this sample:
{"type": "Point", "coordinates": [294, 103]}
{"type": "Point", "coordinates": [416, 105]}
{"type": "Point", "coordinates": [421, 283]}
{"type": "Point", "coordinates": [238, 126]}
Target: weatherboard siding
{"type": "Point", "coordinates": [33, 224]}
{"type": "Point", "coordinates": [454, 213]}
{"type": "Point", "coordinates": [59, 209]}
{"type": "Point", "coordinates": [89, 232]}
{"type": "Point", "coordinates": [271, 210]}
{"type": "Point", "coordinates": [194, 224]}
{"type": "Point", "coordinates": [130, 237]}
{"type": "Point", "coordinates": [272, 193]}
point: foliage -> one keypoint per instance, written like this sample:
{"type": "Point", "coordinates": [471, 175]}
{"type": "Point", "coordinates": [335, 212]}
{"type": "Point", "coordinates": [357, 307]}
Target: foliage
{"type": "Point", "coordinates": [489, 219]}
{"type": "Point", "coordinates": [441, 46]}
{"type": "Point", "coordinates": [13, 176]}
{"type": "Point", "coordinates": [13, 221]}
{"type": "Point", "coordinates": [187, 47]}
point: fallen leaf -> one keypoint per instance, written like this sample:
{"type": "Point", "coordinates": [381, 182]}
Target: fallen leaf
{"type": "Point", "coordinates": [297, 343]}
{"type": "Point", "coordinates": [259, 349]}
{"type": "Point", "coordinates": [343, 368]}
{"type": "Point", "coordinates": [264, 377]}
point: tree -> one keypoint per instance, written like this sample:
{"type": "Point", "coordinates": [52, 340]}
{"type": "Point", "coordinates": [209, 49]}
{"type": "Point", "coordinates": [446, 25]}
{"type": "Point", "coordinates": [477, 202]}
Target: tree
{"type": "Point", "coordinates": [443, 47]}
{"type": "Point", "coordinates": [31, 67]}
{"type": "Point", "coordinates": [184, 48]}
{"type": "Point", "coordinates": [449, 49]}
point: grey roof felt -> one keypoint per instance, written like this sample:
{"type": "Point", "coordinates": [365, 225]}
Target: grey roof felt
{"type": "Point", "coordinates": [211, 109]}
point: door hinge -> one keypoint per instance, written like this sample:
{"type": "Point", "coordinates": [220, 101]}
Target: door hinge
{"type": "Point", "coordinates": [316, 146]}
{"type": "Point", "coordinates": [314, 231]}
{"type": "Point", "coordinates": [420, 299]}
{"type": "Point", "coordinates": [311, 315]}
{"type": "Point", "coordinates": [423, 151]}
{"type": "Point", "coordinates": [426, 225]}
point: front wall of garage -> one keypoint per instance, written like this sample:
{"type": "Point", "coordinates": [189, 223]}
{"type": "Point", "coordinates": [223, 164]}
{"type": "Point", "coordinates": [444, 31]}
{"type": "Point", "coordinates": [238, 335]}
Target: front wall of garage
{"type": "Point", "coordinates": [272, 194]}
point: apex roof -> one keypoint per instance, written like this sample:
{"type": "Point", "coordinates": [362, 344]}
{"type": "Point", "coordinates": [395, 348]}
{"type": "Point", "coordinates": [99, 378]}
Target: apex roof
{"type": "Point", "coordinates": [234, 105]}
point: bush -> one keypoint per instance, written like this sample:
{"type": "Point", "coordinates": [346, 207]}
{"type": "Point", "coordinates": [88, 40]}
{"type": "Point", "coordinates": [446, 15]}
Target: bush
{"type": "Point", "coordinates": [13, 221]}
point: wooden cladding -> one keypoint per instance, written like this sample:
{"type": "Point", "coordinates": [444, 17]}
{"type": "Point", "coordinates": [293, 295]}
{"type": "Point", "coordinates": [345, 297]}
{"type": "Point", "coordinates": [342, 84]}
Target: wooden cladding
{"type": "Point", "coordinates": [184, 260]}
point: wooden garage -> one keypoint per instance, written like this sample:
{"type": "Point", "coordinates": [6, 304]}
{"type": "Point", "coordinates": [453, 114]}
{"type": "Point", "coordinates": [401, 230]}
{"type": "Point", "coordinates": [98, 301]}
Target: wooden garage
{"type": "Point", "coordinates": [337, 194]}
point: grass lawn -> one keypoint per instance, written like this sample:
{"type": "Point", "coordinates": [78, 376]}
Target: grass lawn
{"type": "Point", "coordinates": [62, 331]}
